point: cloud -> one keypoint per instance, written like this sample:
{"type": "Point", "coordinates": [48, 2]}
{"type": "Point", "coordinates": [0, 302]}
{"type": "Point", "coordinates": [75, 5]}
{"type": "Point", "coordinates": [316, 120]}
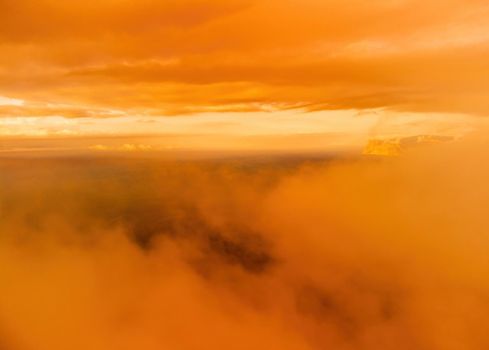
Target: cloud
{"type": "Point", "coordinates": [253, 253]}
{"type": "Point", "coordinates": [5, 101]}
{"type": "Point", "coordinates": [127, 147]}
{"type": "Point", "coordinates": [182, 57]}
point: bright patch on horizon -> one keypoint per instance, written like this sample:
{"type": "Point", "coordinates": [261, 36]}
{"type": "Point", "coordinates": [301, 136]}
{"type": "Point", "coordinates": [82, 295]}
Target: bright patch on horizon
{"type": "Point", "coordinates": [6, 101]}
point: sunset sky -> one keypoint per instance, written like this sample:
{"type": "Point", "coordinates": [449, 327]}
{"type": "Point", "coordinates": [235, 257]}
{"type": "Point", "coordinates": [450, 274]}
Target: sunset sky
{"type": "Point", "coordinates": [243, 73]}
{"type": "Point", "coordinates": [244, 174]}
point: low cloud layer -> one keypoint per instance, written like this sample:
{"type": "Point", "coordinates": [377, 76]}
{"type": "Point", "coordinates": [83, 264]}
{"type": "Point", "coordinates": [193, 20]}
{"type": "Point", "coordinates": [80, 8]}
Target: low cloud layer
{"type": "Point", "coordinates": [265, 253]}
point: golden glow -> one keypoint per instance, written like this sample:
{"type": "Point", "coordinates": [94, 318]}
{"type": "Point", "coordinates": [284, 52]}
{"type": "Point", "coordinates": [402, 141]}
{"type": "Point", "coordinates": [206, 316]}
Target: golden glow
{"type": "Point", "coordinates": [188, 174]}
{"type": "Point", "coordinates": [146, 59]}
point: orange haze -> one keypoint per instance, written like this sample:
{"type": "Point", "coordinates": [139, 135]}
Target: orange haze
{"type": "Point", "coordinates": [187, 174]}
{"type": "Point", "coordinates": [263, 253]}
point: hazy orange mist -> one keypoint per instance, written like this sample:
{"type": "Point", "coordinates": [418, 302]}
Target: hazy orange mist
{"type": "Point", "coordinates": [131, 253]}
{"type": "Point", "coordinates": [104, 252]}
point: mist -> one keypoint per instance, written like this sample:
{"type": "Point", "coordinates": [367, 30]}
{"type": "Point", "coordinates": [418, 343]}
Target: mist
{"type": "Point", "coordinates": [242, 253]}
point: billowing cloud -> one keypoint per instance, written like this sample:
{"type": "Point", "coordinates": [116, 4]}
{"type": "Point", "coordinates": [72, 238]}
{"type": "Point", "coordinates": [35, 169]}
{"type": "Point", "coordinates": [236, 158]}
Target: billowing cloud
{"type": "Point", "coordinates": [263, 253]}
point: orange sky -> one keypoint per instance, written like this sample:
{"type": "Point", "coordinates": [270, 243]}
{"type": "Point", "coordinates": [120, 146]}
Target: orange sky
{"type": "Point", "coordinates": [248, 66]}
